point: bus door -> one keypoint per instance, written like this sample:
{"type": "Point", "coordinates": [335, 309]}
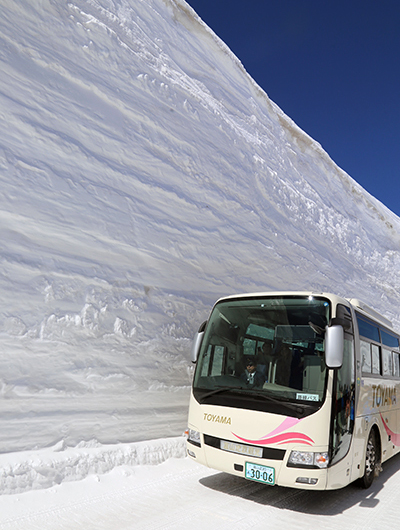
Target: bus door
{"type": "Point", "coordinates": [343, 407]}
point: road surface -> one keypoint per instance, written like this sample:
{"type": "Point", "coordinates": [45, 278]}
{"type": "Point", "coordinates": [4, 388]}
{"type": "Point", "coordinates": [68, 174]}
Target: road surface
{"type": "Point", "coordinates": [180, 494]}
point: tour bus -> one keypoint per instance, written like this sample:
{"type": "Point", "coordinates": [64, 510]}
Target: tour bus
{"type": "Point", "coordinates": [297, 389]}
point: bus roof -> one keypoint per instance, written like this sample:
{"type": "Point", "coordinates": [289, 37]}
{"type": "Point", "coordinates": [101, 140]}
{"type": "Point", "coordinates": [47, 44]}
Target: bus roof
{"type": "Point", "coordinates": [330, 296]}
{"type": "Point", "coordinates": [354, 302]}
{"type": "Point", "coordinates": [368, 311]}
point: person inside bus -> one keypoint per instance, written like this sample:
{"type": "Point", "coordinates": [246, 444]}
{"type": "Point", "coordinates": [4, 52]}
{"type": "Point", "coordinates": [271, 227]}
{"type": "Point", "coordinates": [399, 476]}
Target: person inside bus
{"type": "Point", "coordinates": [251, 376]}
{"type": "Point", "coordinates": [267, 352]}
{"type": "Point", "coordinates": [283, 365]}
{"type": "Point", "coordinates": [296, 370]}
{"type": "Point", "coordinates": [279, 361]}
{"type": "Point", "coordinates": [263, 359]}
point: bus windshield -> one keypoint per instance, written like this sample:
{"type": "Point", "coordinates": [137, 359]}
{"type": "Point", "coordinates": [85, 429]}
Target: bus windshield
{"type": "Point", "coordinates": [264, 354]}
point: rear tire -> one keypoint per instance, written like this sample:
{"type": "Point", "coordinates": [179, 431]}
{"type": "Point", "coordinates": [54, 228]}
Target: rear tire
{"type": "Point", "coordinates": [372, 461]}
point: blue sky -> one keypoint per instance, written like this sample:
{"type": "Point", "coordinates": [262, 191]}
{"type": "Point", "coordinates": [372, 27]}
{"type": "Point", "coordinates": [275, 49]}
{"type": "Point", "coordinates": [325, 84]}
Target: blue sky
{"type": "Point", "coordinates": [333, 67]}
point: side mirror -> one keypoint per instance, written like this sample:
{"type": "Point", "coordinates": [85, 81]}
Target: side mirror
{"type": "Point", "coordinates": [198, 339]}
{"type": "Point", "coordinates": [334, 343]}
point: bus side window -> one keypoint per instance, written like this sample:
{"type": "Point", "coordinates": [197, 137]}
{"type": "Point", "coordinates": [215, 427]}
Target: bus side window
{"type": "Point", "coordinates": [365, 348]}
{"type": "Point", "coordinates": [371, 359]}
{"type": "Point", "coordinates": [396, 364]}
{"type": "Point", "coordinates": [376, 361]}
{"type": "Point", "coordinates": [387, 362]}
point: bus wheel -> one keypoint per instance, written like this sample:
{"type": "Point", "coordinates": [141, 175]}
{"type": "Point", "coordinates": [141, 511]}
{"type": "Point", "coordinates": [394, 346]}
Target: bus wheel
{"type": "Point", "coordinates": [372, 461]}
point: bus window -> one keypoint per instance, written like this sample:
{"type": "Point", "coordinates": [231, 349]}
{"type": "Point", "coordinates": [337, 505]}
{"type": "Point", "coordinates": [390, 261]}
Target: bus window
{"type": "Point", "coordinates": [367, 329]}
{"type": "Point", "coordinates": [387, 362]}
{"type": "Point", "coordinates": [249, 347]}
{"type": "Point", "coordinates": [205, 366]}
{"type": "Point", "coordinates": [389, 340]}
{"type": "Point", "coordinates": [344, 313]}
{"type": "Point", "coordinates": [365, 348]}
{"type": "Point", "coordinates": [396, 364]}
{"type": "Point", "coordinates": [218, 361]}
{"type": "Point", "coordinates": [376, 361]}
{"type": "Point", "coordinates": [288, 353]}
{"type": "Point", "coordinates": [213, 362]}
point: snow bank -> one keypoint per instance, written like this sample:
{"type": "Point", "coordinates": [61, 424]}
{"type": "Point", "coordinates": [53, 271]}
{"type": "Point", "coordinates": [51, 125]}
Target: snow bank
{"type": "Point", "coordinates": [32, 470]}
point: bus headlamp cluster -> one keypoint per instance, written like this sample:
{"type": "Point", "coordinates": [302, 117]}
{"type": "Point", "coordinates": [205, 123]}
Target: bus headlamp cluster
{"type": "Point", "coordinates": [194, 437]}
{"type": "Point", "coordinates": [308, 458]}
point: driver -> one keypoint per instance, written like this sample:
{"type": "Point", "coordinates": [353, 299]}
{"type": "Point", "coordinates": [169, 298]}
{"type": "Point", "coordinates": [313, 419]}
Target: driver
{"type": "Point", "coordinates": [250, 376]}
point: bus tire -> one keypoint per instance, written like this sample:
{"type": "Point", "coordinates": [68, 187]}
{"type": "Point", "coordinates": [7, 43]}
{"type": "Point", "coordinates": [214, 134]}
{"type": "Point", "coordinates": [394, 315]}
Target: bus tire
{"type": "Point", "coordinates": [372, 460]}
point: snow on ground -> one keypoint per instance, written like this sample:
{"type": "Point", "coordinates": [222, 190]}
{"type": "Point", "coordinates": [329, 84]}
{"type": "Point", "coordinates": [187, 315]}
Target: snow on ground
{"type": "Point", "coordinates": [180, 494]}
{"type": "Point", "coordinates": [45, 468]}
{"type": "Point", "coordinates": [143, 175]}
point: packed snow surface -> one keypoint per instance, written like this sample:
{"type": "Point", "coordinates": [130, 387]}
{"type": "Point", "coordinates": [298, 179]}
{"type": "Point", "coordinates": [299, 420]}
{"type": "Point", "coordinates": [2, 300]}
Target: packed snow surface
{"type": "Point", "coordinates": [144, 175]}
{"type": "Point", "coordinates": [179, 494]}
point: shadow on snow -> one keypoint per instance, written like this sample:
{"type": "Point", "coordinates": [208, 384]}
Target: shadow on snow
{"type": "Point", "coordinates": [331, 502]}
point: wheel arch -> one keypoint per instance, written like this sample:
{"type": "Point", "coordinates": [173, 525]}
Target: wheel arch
{"type": "Point", "coordinates": [367, 477]}
{"type": "Point", "coordinates": [378, 438]}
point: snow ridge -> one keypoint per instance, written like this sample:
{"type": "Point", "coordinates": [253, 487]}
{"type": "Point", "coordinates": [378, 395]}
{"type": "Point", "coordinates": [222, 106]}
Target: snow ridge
{"type": "Point", "coordinates": [45, 468]}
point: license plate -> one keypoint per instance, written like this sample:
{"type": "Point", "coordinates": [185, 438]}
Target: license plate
{"type": "Point", "coordinates": [241, 449]}
{"type": "Point", "coordinates": [260, 473]}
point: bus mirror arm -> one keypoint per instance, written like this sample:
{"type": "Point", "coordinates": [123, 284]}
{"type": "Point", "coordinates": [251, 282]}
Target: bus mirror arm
{"type": "Point", "coordinates": [198, 339]}
{"type": "Point", "coordinates": [334, 342]}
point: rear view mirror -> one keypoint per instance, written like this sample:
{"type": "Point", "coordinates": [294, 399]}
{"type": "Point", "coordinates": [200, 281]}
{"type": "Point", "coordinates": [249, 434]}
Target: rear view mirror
{"type": "Point", "coordinates": [334, 343]}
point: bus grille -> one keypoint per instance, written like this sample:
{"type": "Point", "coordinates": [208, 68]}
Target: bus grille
{"type": "Point", "coordinates": [269, 453]}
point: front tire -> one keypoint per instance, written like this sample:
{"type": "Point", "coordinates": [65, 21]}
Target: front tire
{"type": "Point", "coordinates": [372, 460]}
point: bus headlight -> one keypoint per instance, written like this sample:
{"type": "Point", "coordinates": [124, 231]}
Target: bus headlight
{"type": "Point", "coordinates": [306, 459]}
{"type": "Point", "coordinates": [194, 437]}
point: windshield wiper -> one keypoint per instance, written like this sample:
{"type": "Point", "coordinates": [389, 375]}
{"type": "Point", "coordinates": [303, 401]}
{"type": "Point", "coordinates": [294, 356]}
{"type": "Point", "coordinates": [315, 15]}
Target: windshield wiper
{"type": "Point", "coordinates": [216, 391]}
{"type": "Point", "coordinates": [282, 402]}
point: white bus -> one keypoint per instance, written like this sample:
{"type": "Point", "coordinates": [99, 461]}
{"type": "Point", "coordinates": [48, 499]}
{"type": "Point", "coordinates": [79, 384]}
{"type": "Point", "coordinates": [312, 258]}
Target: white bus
{"type": "Point", "coordinates": [296, 389]}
